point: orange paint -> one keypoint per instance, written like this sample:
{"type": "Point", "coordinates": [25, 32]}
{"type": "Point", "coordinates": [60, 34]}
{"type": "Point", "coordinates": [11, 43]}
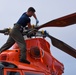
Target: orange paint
{"type": "Point", "coordinates": [43, 63]}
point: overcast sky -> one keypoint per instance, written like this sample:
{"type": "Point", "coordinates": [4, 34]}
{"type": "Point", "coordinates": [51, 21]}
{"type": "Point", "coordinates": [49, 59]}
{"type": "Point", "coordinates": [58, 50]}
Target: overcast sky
{"type": "Point", "coordinates": [46, 10]}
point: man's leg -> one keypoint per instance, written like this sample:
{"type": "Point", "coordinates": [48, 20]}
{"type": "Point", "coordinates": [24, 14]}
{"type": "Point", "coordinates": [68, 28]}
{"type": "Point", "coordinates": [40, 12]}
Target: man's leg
{"type": "Point", "coordinates": [17, 36]}
{"type": "Point", "coordinates": [7, 45]}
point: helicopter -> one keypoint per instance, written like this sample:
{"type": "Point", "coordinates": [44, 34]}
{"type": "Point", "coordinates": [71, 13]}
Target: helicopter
{"type": "Point", "coordinates": [42, 62]}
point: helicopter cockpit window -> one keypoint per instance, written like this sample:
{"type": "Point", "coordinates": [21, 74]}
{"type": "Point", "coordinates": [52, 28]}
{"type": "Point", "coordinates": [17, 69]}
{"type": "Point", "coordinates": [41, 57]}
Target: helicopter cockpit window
{"type": "Point", "coordinates": [1, 69]}
{"type": "Point", "coordinates": [31, 73]}
{"type": "Point", "coordinates": [12, 73]}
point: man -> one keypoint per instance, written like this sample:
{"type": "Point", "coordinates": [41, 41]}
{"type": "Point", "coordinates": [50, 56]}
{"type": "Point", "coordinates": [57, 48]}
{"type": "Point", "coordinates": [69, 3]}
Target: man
{"type": "Point", "coordinates": [16, 34]}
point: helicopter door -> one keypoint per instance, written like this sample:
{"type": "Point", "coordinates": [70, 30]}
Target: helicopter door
{"type": "Point", "coordinates": [12, 72]}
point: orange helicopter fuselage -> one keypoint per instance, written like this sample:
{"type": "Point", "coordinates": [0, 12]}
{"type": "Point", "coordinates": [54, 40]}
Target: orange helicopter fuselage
{"type": "Point", "coordinates": [39, 55]}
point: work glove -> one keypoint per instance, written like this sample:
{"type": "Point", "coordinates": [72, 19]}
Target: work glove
{"type": "Point", "coordinates": [37, 21]}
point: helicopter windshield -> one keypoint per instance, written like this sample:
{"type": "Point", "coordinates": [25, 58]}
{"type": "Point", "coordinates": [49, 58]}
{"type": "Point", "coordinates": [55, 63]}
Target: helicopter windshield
{"type": "Point", "coordinates": [31, 73]}
{"type": "Point", "coordinates": [13, 73]}
{"type": "Point", "coordinates": [26, 73]}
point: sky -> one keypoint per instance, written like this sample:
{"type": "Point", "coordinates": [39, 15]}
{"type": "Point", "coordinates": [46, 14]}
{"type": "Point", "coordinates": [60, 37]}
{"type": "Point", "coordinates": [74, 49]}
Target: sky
{"type": "Point", "coordinates": [46, 10]}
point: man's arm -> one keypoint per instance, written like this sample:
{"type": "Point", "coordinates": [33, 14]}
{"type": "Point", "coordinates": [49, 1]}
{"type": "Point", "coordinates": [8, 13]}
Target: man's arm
{"type": "Point", "coordinates": [34, 15]}
{"type": "Point", "coordinates": [29, 25]}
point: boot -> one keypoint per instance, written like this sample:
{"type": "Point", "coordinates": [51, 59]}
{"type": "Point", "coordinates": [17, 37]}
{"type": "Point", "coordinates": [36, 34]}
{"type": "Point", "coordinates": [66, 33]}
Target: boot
{"type": "Point", "coordinates": [23, 57]}
{"type": "Point", "coordinates": [24, 61]}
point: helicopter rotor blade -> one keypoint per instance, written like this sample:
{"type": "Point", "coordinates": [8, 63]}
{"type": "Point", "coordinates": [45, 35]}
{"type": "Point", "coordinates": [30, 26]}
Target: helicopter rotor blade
{"type": "Point", "coordinates": [4, 31]}
{"type": "Point", "coordinates": [62, 46]}
{"type": "Point", "coordinates": [61, 22]}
